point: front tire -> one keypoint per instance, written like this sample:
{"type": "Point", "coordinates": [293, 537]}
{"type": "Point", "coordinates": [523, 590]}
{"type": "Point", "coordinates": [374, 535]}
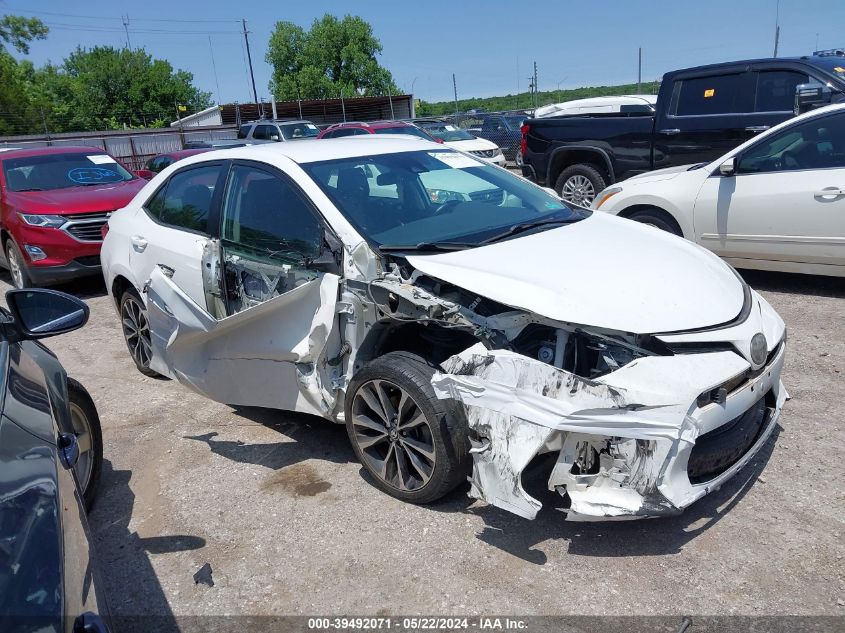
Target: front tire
{"type": "Point", "coordinates": [413, 445]}
{"type": "Point", "coordinates": [579, 184]}
{"type": "Point", "coordinates": [89, 437]}
{"type": "Point", "coordinates": [659, 219]}
{"type": "Point", "coordinates": [136, 330]}
{"type": "Point", "coordinates": [17, 266]}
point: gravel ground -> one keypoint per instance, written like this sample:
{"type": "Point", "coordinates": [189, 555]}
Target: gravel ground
{"type": "Point", "coordinates": [282, 512]}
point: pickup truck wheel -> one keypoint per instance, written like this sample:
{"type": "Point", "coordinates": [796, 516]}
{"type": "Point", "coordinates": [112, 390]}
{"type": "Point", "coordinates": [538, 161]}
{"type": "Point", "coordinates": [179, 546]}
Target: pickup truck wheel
{"type": "Point", "coordinates": [658, 218]}
{"type": "Point", "coordinates": [579, 184]}
{"type": "Point", "coordinates": [414, 446]}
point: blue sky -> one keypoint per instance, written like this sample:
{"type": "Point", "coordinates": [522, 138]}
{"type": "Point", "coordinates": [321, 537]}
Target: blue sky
{"type": "Point", "coordinates": [489, 45]}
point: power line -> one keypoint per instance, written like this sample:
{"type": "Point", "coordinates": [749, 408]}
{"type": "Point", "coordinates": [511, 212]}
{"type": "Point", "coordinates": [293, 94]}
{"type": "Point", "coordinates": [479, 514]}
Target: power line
{"type": "Point", "coordinates": [102, 17]}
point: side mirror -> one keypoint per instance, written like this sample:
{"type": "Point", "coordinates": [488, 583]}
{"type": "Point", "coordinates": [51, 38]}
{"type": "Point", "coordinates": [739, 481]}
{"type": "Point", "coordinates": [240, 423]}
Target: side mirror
{"type": "Point", "coordinates": [40, 313]}
{"type": "Point", "coordinates": [146, 174]}
{"type": "Point", "coordinates": [728, 168]}
{"type": "Point", "coordinates": [811, 96]}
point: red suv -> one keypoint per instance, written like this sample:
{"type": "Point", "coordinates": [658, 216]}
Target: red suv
{"type": "Point", "coordinates": [378, 127]}
{"type": "Point", "coordinates": [54, 202]}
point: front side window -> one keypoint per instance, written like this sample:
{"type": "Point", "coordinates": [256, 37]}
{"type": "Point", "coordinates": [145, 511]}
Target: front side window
{"type": "Point", "coordinates": [717, 94]}
{"type": "Point", "coordinates": [776, 90]}
{"type": "Point", "coordinates": [267, 218]}
{"type": "Point", "coordinates": [62, 171]}
{"type": "Point", "coordinates": [408, 198]}
{"type": "Point", "coordinates": [818, 143]}
{"type": "Point", "coordinates": [185, 200]}
{"type": "Point", "coordinates": [346, 131]}
{"type": "Point", "coordinates": [243, 131]}
{"type": "Point", "coordinates": [265, 132]}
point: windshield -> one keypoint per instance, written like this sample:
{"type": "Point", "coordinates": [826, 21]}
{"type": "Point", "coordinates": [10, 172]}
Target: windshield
{"type": "Point", "coordinates": [432, 196]}
{"type": "Point", "coordinates": [299, 130]}
{"type": "Point", "coordinates": [408, 130]}
{"type": "Point", "coordinates": [447, 132]}
{"type": "Point", "coordinates": [514, 122]}
{"type": "Point", "coordinates": [62, 171]}
{"type": "Point", "coordinates": [833, 64]}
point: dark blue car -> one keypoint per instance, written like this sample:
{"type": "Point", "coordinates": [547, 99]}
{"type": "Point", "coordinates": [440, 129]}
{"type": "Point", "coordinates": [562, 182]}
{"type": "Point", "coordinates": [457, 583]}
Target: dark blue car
{"type": "Point", "coordinates": [51, 454]}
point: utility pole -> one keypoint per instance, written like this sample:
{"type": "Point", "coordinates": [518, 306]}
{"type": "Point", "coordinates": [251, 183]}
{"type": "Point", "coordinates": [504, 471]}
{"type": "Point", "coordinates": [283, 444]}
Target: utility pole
{"type": "Point", "coordinates": [214, 67]}
{"type": "Point", "coordinates": [535, 85]}
{"type": "Point", "coordinates": [455, 86]}
{"type": "Point", "coordinates": [125, 19]}
{"type": "Point", "coordinates": [777, 28]}
{"type": "Point", "coordinates": [640, 71]}
{"type": "Point", "coordinates": [249, 59]}
{"type": "Point", "coordinates": [531, 90]}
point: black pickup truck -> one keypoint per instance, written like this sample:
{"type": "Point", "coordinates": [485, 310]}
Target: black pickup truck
{"type": "Point", "coordinates": [701, 113]}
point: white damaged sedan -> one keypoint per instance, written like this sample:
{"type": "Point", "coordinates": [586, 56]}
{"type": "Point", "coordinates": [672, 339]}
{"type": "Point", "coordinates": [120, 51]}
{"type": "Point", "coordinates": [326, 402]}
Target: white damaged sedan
{"type": "Point", "coordinates": [459, 320]}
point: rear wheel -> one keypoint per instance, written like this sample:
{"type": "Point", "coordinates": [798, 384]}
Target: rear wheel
{"type": "Point", "coordinates": [89, 438]}
{"type": "Point", "coordinates": [658, 218]}
{"type": "Point", "coordinates": [136, 330]}
{"type": "Point", "coordinates": [579, 184]}
{"type": "Point", "coordinates": [17, 266]}
{"type": "Point", "coordinates": [414, 445]}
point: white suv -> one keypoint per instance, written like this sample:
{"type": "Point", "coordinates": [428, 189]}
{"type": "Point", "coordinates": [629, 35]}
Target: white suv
{"type": "Point", "coordinates": [455, 317]}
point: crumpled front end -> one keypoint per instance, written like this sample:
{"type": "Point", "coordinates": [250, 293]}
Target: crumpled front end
{"type": "Point", "coordinates": [646, 439]}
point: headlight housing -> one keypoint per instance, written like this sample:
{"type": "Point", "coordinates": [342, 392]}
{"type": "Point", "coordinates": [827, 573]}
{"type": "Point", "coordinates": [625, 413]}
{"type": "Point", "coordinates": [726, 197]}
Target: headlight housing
{"type": "Point", "coordinates": [44, 221]}
{"type": "Point", "coordinates": [604, 196]}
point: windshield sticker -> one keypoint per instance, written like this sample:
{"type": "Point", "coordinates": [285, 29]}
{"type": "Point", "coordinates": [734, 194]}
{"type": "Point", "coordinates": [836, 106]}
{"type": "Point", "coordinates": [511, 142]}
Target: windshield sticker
{"type": "Point", "coordinates": [710, 92]}
{"type": "Point", "coordinates": [311, 126]}
{"type": "Point", "coordinates": [451, 128]}
{"type": "Point", "coordinates": [100, 159]}
{"type": "Point", "coordinates": [92, 175]}
{"type": "Point", "coordinates": [455, 160]}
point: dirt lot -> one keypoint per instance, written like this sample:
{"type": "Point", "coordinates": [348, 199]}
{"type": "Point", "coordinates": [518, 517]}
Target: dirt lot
{"type": "Point", "coordinates": [278, 506]}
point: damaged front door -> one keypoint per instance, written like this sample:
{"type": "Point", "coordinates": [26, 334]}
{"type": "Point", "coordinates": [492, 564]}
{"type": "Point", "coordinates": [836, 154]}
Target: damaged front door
{"type": "Point", "coordinates": [278, 311]}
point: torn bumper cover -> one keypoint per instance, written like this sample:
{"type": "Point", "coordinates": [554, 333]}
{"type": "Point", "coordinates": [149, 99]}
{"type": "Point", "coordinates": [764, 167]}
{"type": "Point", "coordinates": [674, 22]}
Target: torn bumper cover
{"type": "Point", "coordinates": [633, 443]}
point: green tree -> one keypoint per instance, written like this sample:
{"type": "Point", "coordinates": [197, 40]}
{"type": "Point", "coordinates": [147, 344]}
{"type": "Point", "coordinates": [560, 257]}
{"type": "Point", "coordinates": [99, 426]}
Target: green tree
{"type": "Point", "coordinates": [105, 87]}
{"type": "Point", "coordinates": [18, 114]}
{"type": "Point", "coordinates": [334, 57]}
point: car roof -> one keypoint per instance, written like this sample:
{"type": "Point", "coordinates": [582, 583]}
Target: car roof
{"type": "Point", "coordinates": [326, 149]}
{"type": "Point", "coordinates": [278, 121]}
{"type": "Point", "coordinates": [53, 149]}
{"type": "Point", "coordinates": [376, 125]}
{"type": "Point", "coordinates": [811, 60]}
{"type": "Point", "coordinates": [182, 153]}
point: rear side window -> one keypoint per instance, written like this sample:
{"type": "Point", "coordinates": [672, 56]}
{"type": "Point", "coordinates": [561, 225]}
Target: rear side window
{"type": "Point", "coordinates": [347, 131]}
{"type": "Point", "coordinates": [717, 94]}
{"type": "Point", "coordinates": [265, 132]}
{"type": "Point", "coordinates": [243, 131]}
{"type": "Point", "coordinates": [776, 90]}
{"type": "Point", "coordinates": [185, 200]}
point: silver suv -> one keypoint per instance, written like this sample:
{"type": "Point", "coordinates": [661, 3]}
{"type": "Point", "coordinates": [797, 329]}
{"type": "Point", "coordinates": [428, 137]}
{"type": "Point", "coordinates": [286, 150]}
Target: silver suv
{"type": "Point", "coordinates": [269, 131]}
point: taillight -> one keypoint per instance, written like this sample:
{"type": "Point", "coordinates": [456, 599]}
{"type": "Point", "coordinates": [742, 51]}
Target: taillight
{"type": "Point", "coordinates": [523, 142]}
{"type": "Point", "coordinates": [105, 230]}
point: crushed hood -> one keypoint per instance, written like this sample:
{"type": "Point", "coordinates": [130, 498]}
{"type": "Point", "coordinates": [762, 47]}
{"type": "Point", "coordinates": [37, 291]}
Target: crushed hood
{"type": "Point", "coordinates": [603, 271]}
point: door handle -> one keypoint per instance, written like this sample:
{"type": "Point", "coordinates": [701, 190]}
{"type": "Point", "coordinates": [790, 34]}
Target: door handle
{"type": "Point", "coordinates": [670, 131]}
{"type": "Point", "coordinates": [829, 192]}
{"type": "Point", "coordinates": [138, 243]}
{"type": "Point", "coordinates": [757, 128]}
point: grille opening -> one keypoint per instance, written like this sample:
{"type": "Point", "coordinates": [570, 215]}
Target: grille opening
{"type": "Point", "coordinates": [717, 450]}
{"type": "Point", "coordinates": [89, 260]}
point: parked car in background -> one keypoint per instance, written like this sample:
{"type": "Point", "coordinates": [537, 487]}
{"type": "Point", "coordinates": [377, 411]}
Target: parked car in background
{"type": "Point", "coordinates": [776, 202]}
{"type": "Point", "coordinates": [459, 139]}
{"type": "Point", "coordinates": [276, 131]}
{"type": "Point", "coordinates": [161, 161]}
{"type": "Point", "coordinates": [625, 104]}
{"type": "Point", "coordinates": [701, 113]}
{"type": "Point", "coordinates": [54, 202]}
{"type": "Point", "coordinates": [51, 456]}
{"type": "Point", "coordinates": [504, 131]}
{"type": "Point", "coordinates": [415, 294]}
{"type": "Point", "coordinates": [354, 128]}
{"type": "Point", "coordinates": [225, 143]}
